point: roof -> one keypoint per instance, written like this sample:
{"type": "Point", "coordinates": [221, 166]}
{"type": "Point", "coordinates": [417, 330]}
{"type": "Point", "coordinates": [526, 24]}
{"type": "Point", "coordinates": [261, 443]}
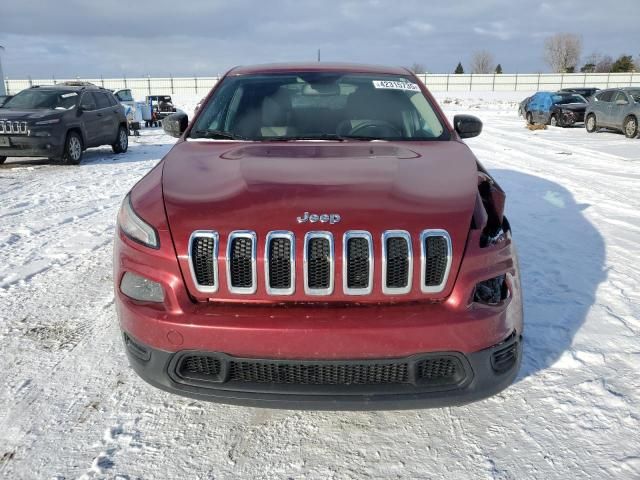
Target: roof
{"type": "Point", "coordinates": [317, 67]}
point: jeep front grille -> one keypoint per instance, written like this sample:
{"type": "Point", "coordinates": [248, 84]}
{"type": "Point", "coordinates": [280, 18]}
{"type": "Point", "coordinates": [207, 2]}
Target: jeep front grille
{"type": "Point", "coordinates": [8, 127]}
{"type": "Point", "coordinates": [358, 254]}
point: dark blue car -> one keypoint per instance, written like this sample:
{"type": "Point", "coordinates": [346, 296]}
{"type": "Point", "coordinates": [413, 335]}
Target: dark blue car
{"type": "Point", "coordinates": [561, 109]}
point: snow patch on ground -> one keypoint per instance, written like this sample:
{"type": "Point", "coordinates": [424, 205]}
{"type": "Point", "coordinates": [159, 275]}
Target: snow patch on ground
{"type": "Point", "coordinates": [70, 407]}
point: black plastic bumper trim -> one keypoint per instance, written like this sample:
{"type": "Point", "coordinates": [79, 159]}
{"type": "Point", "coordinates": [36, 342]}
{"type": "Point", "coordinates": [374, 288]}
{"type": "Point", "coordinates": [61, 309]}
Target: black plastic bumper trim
{"type": "Point", "coordinates": [481, 382]}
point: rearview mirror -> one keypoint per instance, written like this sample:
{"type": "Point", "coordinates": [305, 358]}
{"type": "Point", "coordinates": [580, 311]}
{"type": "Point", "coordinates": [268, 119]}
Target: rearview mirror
{"type": "Point", "coordinates": [467, 126]}
{"type": "Point", "coordinates": [175, 124]}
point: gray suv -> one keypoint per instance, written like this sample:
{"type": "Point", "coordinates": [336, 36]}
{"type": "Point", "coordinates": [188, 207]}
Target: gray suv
{"type": "Point", "coordinates": [60, 122]}
{"type": "Point", "coordinates": [616, 108]}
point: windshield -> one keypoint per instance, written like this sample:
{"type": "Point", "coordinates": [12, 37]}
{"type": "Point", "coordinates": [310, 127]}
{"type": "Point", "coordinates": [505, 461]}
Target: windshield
{"type": "Point", "coordinates": [43, 99]}
{"type": "Point", "coordinates": [318, 106]}
{"type": "Point", "coordinates": [124, 96]}
{"type": "Point", "coordinates": [564, 99]}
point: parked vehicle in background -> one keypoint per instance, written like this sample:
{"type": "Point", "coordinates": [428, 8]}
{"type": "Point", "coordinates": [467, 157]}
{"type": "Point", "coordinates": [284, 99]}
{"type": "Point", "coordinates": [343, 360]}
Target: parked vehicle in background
{"type": "Point", "coordinates": [60, 122]}
{"type": "Point", "coordinates": [4, 99]}
{"type": "Point", "coordinates": [132, 110]}
{"type": "Point", "coordinates": [556, 109]}
{"type": "Point", "coordinates": [586, 92]}
{"type": "Point", "coordinates": [320, 237]}
{"type": "Point", "coordinates": [161, 106]}
{"type": "Point", "coordinates": [615, 108]}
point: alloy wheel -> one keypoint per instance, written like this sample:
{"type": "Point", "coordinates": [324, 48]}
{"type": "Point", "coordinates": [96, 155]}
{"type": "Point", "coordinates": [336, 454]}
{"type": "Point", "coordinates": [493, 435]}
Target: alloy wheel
{"type": "Point", "coordinates": [75, 149]}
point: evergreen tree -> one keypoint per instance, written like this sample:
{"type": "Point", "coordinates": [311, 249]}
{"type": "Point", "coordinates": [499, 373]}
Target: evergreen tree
{"type": "Point", "coordinates": [499, 69]}
{"type": "Point", "coordinates": [459, 69]}
{"type": "Point", "coordinates": [588, 68]}
{"type": "Point", "coordinates": [623, 64]}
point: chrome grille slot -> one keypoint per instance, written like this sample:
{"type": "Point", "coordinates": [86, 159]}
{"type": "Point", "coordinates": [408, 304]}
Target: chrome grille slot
{"type": "Point", "coordinates": [280, 263]}
{"type": "Point", "coordinates": [357, 263]}
{"type": "Point", "coordinates": [319, 268]}
{"type": "Point", "coordinates": [397, 262]}
{"type": "Point", "coordinates": [7, 127]}
{"type": "Point", "coordinates": [241, 262]}
{"type": "Point", "coordinates": [435, 262]}
{"type": "Point", "coordinates": [203, 260]}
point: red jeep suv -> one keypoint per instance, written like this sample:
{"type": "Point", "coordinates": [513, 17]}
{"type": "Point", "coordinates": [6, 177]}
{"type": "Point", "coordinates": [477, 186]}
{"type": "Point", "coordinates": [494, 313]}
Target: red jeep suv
{"type": "Point", "coordinates": [320, 237]}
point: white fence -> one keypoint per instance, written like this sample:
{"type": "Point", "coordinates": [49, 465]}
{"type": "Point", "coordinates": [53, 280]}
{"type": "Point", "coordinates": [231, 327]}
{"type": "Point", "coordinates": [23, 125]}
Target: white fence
{"type": "Point", "coordinates": [527, 82]}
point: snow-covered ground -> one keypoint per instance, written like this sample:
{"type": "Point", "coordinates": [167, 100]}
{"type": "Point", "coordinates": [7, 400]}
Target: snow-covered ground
{"type": "Point", "coordinates": [70, 407]}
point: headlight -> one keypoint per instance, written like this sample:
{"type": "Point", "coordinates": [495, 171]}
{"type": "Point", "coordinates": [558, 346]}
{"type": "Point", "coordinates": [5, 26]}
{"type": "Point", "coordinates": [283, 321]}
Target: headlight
{"type": "Point", "coordinates": [135, 227]}
{"type": "Point", "coordinates": [48, 122]}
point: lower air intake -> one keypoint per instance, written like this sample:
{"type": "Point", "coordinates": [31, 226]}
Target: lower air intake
{"type": "Point", "coordinates": [318, 374]}
{"type": "Point", "coordinates": [434, 370]}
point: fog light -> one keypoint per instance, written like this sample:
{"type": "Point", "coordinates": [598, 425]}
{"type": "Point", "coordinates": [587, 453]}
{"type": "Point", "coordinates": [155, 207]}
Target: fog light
{"type": "Point", "coordinates": [140, 288]}
{"type": "Point", "coordinates": [492, 291]}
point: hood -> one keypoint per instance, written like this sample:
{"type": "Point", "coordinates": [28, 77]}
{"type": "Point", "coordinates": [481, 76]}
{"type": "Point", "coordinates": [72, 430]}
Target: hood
{"type": "Point", "coordinates": [26, 115]}
{"type": "Point", "coordinates": [226, 186]}
{"type": "Point", "coordinates": [574, 107]}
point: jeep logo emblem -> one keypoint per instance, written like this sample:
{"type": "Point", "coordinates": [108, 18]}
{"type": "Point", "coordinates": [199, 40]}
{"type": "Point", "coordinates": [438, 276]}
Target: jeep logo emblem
{"type": "Point", "coordinates": [331, 218]}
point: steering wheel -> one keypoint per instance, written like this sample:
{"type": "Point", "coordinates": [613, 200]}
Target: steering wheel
{"type": "Point", "coordinates": [361, 129]}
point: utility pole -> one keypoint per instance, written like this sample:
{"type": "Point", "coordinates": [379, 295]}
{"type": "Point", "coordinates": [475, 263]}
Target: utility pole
{"type": "Point", "coordinates": [2, 90]}
{"type": "Point", "coordinates": [318, 54]}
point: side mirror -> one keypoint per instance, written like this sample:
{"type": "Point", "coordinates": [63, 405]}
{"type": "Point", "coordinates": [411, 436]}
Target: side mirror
{"type": "Point", "coordinates": [622, 102]}
{"type": "Point", "coordinates": [175, 124]}
{"type": "Point", "coordinates": [467, 126]}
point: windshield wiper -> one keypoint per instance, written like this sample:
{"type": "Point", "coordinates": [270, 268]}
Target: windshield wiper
{"type": "Point", "coordinates": [213, 134]}
{"type": "Point", "coordinates": [362, 137]}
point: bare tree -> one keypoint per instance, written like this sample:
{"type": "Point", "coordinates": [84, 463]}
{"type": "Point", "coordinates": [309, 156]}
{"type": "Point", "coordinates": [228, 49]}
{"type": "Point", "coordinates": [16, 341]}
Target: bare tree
{"type": "Point", "coordinates": [604, 65]}
{"type": "Point", "coordinates": [417, 68]}
{"type": "Point", "coordinates": [562, 51]}
{"type": "Point", "coordinates": [482, 62]}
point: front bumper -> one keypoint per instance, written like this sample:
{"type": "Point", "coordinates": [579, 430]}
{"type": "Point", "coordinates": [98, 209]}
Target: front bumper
{"type": "Point", "coordinates": [481, 374]}
{"type": "Point", "coordinates": [28, 146]}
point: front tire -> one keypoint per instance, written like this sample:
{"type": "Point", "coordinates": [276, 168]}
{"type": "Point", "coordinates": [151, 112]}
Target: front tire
{"type": "Point", "coordinates": [73, 148]}
{"type": "Point", "coordinates": [554, 121]}
{"type": "Point", "coordinates": [122, 143]}
{"type": "Point", "coordinates": [2, 160]}
{"type": "Point", "coordinates": [591, 124]}
{"type": "Point", "coordinates": [630, 127]}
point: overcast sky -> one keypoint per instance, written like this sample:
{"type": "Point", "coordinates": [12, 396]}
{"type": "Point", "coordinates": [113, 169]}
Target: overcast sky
{"type": "Point", "coordinates": [89, 38]}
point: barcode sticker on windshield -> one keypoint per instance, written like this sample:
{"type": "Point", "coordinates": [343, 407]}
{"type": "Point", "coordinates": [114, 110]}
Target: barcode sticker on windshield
{"type": "Point", "coordinates": [70, 94]}
{"type": "Point", "coordinates": [393, 85]}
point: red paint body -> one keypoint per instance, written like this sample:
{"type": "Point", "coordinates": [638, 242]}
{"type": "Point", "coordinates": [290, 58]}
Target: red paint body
{"type": "Point", "coordinates": [226, 186]}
